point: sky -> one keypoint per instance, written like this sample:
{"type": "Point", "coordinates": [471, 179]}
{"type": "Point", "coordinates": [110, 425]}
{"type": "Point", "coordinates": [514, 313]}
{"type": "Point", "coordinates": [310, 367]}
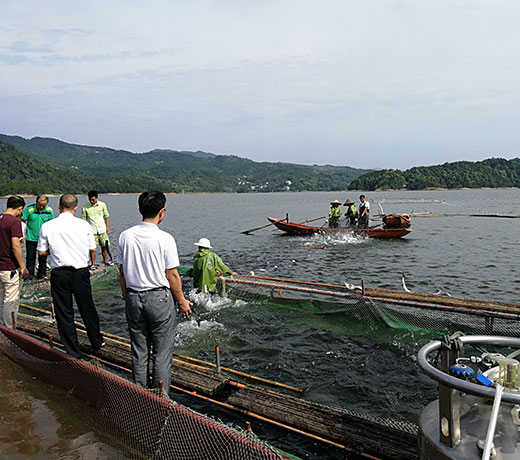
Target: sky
{"type": "Point", "coordinates": [362, 83]}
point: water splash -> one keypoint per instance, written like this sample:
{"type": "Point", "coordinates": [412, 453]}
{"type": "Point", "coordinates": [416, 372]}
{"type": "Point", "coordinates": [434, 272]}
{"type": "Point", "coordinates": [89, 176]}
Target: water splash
{"type": "Point", "coordinates": [204, 301]}
{"type": "Point", "coordinates": [335, 239]}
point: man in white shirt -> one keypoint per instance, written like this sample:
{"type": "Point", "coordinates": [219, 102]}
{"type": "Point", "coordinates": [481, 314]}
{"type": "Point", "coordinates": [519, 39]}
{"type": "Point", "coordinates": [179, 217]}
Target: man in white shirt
{"type": "Point", "coordinates": [148, 261]}
{"type": "Point", "coordinates": [364, 211]}
{"type": "Point", "coordinates": [69, 242]}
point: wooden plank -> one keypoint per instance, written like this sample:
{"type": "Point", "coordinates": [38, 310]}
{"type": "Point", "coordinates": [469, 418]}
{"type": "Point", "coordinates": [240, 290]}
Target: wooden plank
{"type": "Point", "coordinates": [395, 440]}
{"type": "Point", "coordinates": [183, 375]}
{"type": "Point", "coordinates": [463, 302]}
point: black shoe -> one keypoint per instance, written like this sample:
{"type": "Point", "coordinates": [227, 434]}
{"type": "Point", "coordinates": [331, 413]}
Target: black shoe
{"type": "Point", "coordinates": [101, 346]}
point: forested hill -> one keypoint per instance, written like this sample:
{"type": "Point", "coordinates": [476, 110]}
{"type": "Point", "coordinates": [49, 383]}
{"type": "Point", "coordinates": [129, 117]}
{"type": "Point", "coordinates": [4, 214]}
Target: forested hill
{"type": "Point", "coordinates": [492, 173]}
{"type": "Point", "coordinates": [111, 170]}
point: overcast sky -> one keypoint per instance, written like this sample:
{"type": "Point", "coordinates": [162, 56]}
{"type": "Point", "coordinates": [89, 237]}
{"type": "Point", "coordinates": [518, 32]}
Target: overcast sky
{"type": "Point", "coordinates": [363, 83]}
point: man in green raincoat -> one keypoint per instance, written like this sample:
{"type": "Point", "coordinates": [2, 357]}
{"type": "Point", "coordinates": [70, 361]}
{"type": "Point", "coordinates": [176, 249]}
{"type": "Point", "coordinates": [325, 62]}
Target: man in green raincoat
{"type": "Point", "coordinates": [206, 266]}
{"type": "Point", "coordinates": [334, 214]}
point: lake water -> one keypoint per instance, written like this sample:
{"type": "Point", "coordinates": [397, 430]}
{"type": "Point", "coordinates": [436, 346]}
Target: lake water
{"type": "Point", "coordinates": [336, 360]}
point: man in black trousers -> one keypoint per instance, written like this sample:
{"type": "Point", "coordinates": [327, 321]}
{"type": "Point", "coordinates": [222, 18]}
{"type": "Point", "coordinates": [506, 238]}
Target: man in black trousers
{"type": "Point", "coordinates": [69, 242]}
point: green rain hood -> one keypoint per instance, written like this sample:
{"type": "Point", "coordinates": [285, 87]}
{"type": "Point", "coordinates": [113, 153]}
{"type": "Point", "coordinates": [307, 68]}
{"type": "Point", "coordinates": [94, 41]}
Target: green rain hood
{"type": "Point", "coordinates": [205, 266]}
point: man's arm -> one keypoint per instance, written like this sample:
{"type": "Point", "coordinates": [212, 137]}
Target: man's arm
{"type": "Point", "coordinates": [107, 223]}
{"type": "Point", "coordinates": [17, 251]}
{"type": "Point", "coordinates": [84, 212]}
{"type": "Point", "coordinates": [92, 253]}
{"type": "Point", "coordinates": [172, 275]}
{"type": "Point", "coordinates": [122, 282]}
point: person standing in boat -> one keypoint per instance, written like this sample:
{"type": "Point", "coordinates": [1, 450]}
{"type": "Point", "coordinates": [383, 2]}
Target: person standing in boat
{"type": "Point", "coordinates": [334, 214]}
{"type": "Point", "coordinates": [35, 216]}
{"type": "Point", "coordinates": [12, 266]}
{"type": "Point", "coordinates": [69, 242]}
{"type": "Point", "coordinates": [351, 213]}
{"type": "Point", "coordinates": [206, 267]}
{"type": "Point", "coordinates": [148, 261]}
{"type": "Point", "coordinates": [96, 214]}
{"type": "Point", "coordinates": [364, 211]}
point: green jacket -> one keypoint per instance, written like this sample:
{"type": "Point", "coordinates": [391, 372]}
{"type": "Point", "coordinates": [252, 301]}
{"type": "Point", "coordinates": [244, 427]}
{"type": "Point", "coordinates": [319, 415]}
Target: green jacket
{"type": "Point", "coordinates": [335, 212]}
{"type": "Point", "coordinates": [205, 266]}
{"type": "Point", "coordinates": [35, 220]}
{"type": "Point", "coordinates": [351, 211]}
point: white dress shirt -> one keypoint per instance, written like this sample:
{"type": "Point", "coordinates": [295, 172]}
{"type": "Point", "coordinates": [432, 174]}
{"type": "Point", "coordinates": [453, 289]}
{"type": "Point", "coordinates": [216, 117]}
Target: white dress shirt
{"type": "Point", "coordinates": [146, 252]}
{"type": "Point", "coordinates": [69, 241]}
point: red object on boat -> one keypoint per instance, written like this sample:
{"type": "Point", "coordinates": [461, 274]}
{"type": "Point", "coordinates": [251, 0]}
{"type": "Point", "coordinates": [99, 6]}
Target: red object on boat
{"type": "Point", "coordinates": [397, 220]}
{"type": "Point", "coordinates": [303, 230]}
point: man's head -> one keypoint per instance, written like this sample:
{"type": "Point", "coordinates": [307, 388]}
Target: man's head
{"type": "Point", "coordinates": [362, 198]}
{"type": "Point", "coordinates": [93, 197]}
{"type": "Point", "coordinates": [68, 203]}
{"type": "Point", "coordinates": [15, 205]}
{"type": "Point", "coordinates": [151, 204]}
{"type": "Point", "coordinates": [41, 202]}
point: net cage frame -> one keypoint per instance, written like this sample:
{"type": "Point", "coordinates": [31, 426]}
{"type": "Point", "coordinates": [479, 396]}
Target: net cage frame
{"type": "Point", "coordinates": [396, 310]}
{"type": "Point", "coordinates": [150, 425]}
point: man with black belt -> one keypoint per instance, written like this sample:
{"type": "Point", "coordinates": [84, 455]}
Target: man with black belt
{"type": "Point", "coordinates": [70, 241]}
{"type": "Point", "coordinates": [148, 261]}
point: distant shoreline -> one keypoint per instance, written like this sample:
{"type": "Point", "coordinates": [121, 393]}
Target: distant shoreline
{"type": "Point", "coordinates": [429, 189]}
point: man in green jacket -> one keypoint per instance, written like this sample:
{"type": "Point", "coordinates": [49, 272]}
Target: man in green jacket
{"type": "Point", "coordinates": [35, 216]}
{"type": "Point", "coordinates": [334, 214]}
{"type": "Point", "coordinates": [206, 267]}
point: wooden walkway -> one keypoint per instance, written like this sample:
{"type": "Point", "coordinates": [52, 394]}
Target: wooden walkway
{"type": "Point", "coordinates": [368, 437]}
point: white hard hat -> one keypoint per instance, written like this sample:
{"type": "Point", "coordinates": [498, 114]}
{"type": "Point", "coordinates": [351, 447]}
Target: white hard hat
{"type": "Point", "coordinates": [203, 243]}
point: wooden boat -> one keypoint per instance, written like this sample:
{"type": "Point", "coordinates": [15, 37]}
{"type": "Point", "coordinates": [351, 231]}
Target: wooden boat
{"type": "Point", "coordinates": [397, 220]}
{"type": "Point", "coordinates": [293, 228]}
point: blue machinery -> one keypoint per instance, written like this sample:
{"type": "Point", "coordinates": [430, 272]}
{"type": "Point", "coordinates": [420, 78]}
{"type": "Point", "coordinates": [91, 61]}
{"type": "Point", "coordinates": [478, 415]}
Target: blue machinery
{"type": "Point", "coordinates": [470, 420]}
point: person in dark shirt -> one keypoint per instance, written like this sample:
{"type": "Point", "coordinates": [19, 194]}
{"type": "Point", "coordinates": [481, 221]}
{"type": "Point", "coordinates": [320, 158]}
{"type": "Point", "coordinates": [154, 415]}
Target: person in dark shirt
{"type": "Point", "coordinates": [12, 266]}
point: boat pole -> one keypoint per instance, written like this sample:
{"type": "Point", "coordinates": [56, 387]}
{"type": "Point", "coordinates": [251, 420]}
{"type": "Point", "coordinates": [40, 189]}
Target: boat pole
{"type": "Point", "coordinates": [217, 358]}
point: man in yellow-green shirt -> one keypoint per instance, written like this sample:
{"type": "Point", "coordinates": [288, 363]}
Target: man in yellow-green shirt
{"type": "Point", "coordinates": [334, 214]}
{"type": "Point", "coordinates": [96, 214]}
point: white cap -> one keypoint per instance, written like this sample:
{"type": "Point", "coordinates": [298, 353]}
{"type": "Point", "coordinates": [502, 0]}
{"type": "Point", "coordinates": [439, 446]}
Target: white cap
{"type": "Point", "coordinates": [203, 243]}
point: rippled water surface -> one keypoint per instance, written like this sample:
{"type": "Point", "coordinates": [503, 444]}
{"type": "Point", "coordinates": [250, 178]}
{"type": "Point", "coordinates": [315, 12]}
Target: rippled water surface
{"type": "Point", "coordinates": [338, 360]}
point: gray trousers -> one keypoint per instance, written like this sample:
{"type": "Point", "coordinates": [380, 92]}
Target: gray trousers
{"type": "Point", "coordinates": [151, 322]}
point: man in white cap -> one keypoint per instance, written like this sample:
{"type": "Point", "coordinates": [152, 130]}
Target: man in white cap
{"type": "Point", "coordinates": [206, 267]}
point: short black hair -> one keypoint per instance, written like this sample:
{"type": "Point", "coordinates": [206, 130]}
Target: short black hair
{"type": "Point", "coordinates": [14, 202]}
{"type": "Point", "coordinates": [361, 196]}
{"type": "Point", "coordinates": [150, 203]}
{"type": "Point", "coordinates": [68, 201]}
{"type": "Point", "coordinates": [92, 193]}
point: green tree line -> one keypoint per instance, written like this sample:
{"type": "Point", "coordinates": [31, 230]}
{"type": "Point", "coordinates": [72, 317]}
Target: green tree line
{"type": "Point", "coordinates": [490, 173]}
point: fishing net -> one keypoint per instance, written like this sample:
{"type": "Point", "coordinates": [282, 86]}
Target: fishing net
{"type": "Point", "coordinates": [36, 289]}
{"type": "Point", "coordinates": [410, 312]}
{"type": "Point", "coordinates": [144, 423]}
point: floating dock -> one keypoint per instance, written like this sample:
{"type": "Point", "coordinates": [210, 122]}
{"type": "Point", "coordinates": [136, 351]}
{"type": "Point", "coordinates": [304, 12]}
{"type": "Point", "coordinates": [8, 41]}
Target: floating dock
{"type": "Point", "coordinates": [366, 436]}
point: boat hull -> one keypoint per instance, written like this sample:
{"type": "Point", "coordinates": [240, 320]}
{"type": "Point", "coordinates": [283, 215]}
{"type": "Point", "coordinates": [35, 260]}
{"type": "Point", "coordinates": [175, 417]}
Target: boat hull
{"type": "Point", "coordinates": [293, 228]}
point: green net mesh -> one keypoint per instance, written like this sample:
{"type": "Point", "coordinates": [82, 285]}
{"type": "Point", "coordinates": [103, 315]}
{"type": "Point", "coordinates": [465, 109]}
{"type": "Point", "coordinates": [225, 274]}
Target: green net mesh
{"type": "Point", "coordinates": [428, 313]}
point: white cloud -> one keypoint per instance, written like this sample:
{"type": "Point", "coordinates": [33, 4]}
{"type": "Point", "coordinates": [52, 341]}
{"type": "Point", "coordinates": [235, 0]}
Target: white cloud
{"type": "Point", "coordinates": [365, 82]}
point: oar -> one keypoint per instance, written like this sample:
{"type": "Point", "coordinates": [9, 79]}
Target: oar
{"type": "Point", "coordinates": [251, 230]}
{"type": "Point", "coordinates": [307, 221]}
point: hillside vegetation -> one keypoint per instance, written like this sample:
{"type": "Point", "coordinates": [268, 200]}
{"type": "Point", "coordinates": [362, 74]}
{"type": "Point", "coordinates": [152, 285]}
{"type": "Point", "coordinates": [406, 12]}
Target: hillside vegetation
{"type": "Point", "coordinates": [492, 173]}
{"type": "Point", "coordinates": [173, 171]}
